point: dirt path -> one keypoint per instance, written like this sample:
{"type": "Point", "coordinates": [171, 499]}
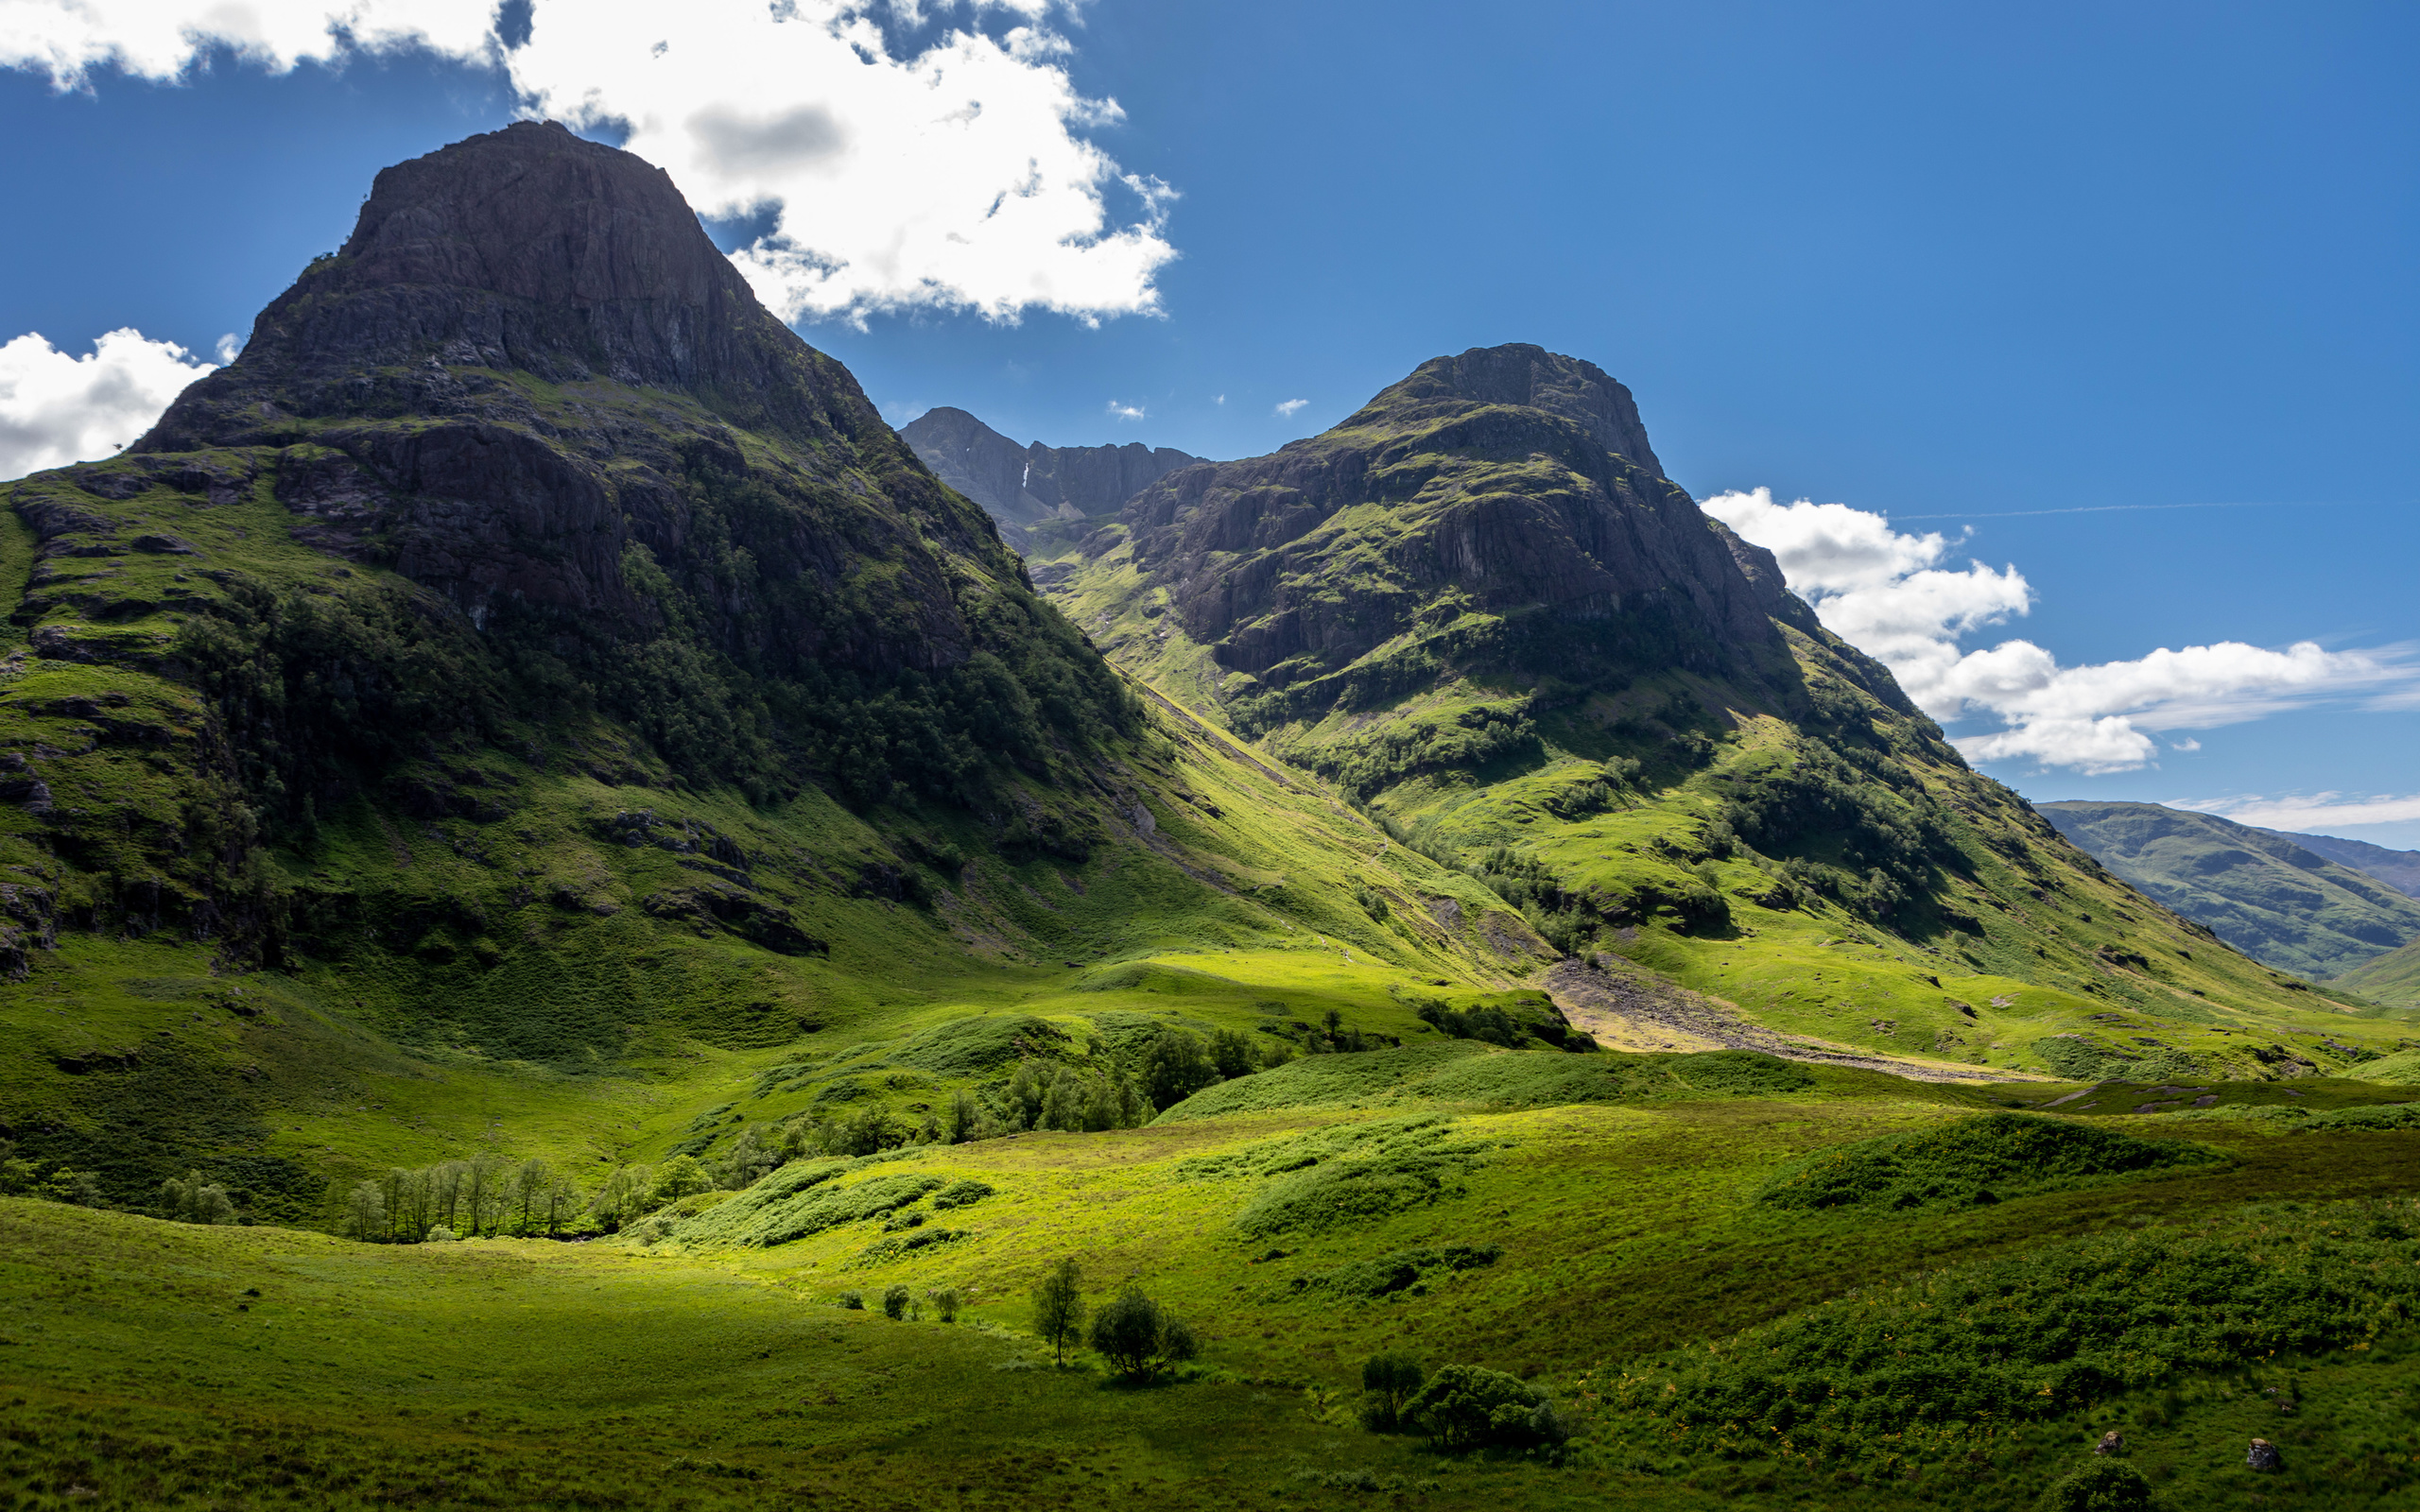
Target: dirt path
{"type": "Point", "coordinates": [1628, 1008]}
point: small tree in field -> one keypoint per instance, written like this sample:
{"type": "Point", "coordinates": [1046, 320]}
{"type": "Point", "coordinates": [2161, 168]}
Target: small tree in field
{"type": "Point", "coordinates": [945, 1302]}
{"type": "Point", "coordinates": [895, 1301]}
{"type": "Point", "coordinates": [1138, 1337]}
{"type": "Point", "coordinates": [1059, 1306]}
{"type": "Point", "coordinates": [1389, 1381]}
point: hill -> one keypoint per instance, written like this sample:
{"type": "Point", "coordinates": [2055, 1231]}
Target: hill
{"type": "Point", "coordinates": [1025, 486]}
{"type": "Point", "coordinates": [2266, 894]}
{"type": "Point", "coordinates": [2392, 978]}
{"type": "Point", "coordinates": [2399, 870]}
{"type": "Point", "coordinates": [1475, 607]}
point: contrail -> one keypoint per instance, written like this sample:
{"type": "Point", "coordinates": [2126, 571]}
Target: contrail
{"type": "Point", "coordinates": [2112, 509]}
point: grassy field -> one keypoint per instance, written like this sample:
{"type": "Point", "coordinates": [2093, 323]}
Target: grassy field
{"type": "Point", "coordinates": [150, 1364]}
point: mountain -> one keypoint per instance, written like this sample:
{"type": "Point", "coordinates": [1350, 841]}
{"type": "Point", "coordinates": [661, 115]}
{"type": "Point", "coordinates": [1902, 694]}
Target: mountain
{"type": "Point", "coordinates": [1477, 608]}
{"type": "Point", "coordinates": [1023, 486]}
{"type": "Point", "coordinates": [2399, 870]}
{"type": "Point", "coordinates": [2265, 893]}
{"type": "Point", "coordinates": [2392, 978]}
{"type": "Point", "coordinates": [531, 667]}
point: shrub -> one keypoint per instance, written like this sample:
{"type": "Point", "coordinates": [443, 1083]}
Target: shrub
{"type": "Point", "coordinates": [958, 1193]}
{"type": "Point", "coordinates": [2101, 1486]}
{"type": "Point", "coordinates": [1389, 1381]}
{"type": "Point", "coordinates": [1138, 1337]}
{"type": "Point", "coordinates": [894, 1301]}
{"type": "Point", "coordinates": [1234, 1054]}
{"type": "Point", "coordinates": [853, 1301]}
{"type": "Point", "coordinates": [1464, 1406]}
{"type": "Point", "coordinates": [945, 1302]}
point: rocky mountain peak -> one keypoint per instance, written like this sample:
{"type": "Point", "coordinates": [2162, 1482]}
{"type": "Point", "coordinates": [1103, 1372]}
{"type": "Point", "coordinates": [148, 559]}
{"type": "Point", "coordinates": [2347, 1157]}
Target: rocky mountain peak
{"type": "Point", "coordinates": [1021, 484]}
{"type": "Point", "coordinates": [526, 248]}
{"type": "Point", "coordinates": [1530, 377]}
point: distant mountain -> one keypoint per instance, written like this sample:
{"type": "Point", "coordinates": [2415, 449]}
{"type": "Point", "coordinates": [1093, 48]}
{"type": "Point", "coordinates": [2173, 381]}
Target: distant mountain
{"type": "Point", "coordinates": [2393, 979]}
{"type": "Point", "coordinates": [2399, 870]}
{"type": "Point", "coordinates": [1022, 486]}
{"type": "Point", "coordinates": [2275, 897]}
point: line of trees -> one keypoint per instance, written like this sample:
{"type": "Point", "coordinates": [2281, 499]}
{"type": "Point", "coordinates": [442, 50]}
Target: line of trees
{"type": "Point", "coordinates": [484, 1195]}
{"type": "Point", "coordinates": [1138, 1337]}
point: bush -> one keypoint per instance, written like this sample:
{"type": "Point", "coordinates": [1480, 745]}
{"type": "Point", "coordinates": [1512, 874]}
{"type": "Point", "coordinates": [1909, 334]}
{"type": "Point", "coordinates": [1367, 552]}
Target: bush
{"type": "Point", "coordinates": [945, 1302]}
{"type": "Point", "coordinates": [853, 1301]}
{"type": "Point", "coordinates": [1138, 1337]}
{"type": "Point", "coordinates": [958, 1193]}
{"type": "Point", "coordinates": [2101, 1486]}
{"type": "Point", "coordinates": [680, 1176]}
{"type": "Point", "coordinates": [895, 1301]}
{"type": "Point", "coordinates": [1388, 1383]}
{"type": "Point", "coordinates": [1465, 1406]}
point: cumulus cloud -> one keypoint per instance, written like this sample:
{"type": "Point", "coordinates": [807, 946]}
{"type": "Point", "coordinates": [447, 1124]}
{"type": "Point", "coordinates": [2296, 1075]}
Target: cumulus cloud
{"type": "Point", "coordinates": [1890, 596]}
{"type": "Point", "coordinates": [1118, 411]}
{"type": "Point", "coordinates": [1287, 407]}
{"type": "Point", "coordinates": [56, 408]}
{"type": "Point", "coordinates": [954, 178]}
{"type": "Point", "coordinates": [2319, 813]}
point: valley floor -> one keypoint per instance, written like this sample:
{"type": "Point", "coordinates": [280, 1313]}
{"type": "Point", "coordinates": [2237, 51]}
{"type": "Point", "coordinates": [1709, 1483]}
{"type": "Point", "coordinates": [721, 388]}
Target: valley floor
{"type": "Point", "coordinates": [150, 1363]}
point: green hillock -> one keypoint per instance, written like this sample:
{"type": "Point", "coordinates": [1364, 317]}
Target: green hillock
{"type": "Point", "coordinates": [1979, 1162]}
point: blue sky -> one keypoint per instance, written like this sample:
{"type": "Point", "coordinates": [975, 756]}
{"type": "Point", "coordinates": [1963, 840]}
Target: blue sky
{"type": "Point", "coordinates": [2012, 278]}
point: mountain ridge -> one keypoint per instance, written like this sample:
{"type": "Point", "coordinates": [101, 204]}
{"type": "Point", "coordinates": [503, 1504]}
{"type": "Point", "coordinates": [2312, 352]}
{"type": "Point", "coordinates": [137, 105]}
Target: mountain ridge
{"type": "Point", "coordinates": [1026, 485]}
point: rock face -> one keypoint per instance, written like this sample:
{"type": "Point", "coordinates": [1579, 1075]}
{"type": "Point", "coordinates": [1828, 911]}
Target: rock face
{"type": "Point", "coordinates": [1023, 485]}
{"type": "Point", "coordinates": [529, 361]}
{"type": "Point", "coordinates": [2264, 1457]}
{"type": "Point", "coordinates": [1502, 510]}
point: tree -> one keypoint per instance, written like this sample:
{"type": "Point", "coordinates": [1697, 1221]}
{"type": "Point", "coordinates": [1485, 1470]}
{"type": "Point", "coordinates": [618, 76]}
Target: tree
{"type": "Point", "coordinates": [680, 1176]}
{"type": "Point", "coordinates": [365, 1217]}
{"type": "Point", "coordinates": [1231, 1051]}
{"type": "Point", "coordinates": [563, 1200]}
{"type": "Point", "coordinates": [945, 1302]}
{"type": "Point", "coordinates": [1389, 1381]}
{"type": "Point", "coordinates": [895, 1301]}
{"type": "Point", "coordinates": [1175, 1067]}
{"type": "Point", "coordinates": [1059, 1306]}
{"type": "Point", "coordinates": [447, 1180]}
{"type": "Point", "coordinates": [193, 1200]}
{"type": "Point", "coordinates": [964, 1117]}
{"type": "Point", "coordinates": [531, 1179]}
{"type": "Point", "coordinates": [1139, 1337]}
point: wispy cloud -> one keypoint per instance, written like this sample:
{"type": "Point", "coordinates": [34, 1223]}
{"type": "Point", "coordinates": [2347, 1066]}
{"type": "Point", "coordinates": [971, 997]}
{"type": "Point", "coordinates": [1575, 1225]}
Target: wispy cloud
{"type": "Point", "coordinates": [56, 408]}
{"type": "Point", "coordinates": [1287, 407]}
{"type": "Point", "coordinates": [1888, 594]}
{"type": "Point", "coordinates": [1118, 411]}
{"type": "Point", "coordinates": [2318, 813]}
{"type": "Point", "coordinates": [958, 177]}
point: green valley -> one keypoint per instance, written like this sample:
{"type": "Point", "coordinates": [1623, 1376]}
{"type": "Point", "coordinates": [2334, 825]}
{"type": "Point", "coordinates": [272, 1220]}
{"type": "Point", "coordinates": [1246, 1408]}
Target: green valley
{"type": "Point", "coordinates": [579, 931]}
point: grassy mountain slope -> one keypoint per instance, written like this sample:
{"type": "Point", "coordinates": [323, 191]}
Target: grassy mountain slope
{"type": "Point", "coordinates": [1534, 660]}
{"type": "Point", "coordinates": [483, 719]}
{"type": "Point", "coordinates": [2265, 894]}
{"type": "Point", "coordinates": [2392, 978]}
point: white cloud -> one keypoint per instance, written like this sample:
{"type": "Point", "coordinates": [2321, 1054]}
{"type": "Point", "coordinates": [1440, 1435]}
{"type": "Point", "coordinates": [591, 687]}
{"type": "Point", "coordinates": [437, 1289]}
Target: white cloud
{"type": "Point", "coordinates": [56, 408]}
{"type": "Point", "coordinates": [2187, 744]}
{"type": "Point", "coordinates": [954, 179]}
{"type": "Point", "coordinates": [1887, 595]}
{"type": "Point", "coordinates": [1118, 411]}
{"type": "Point", "coordinates": [1287, 408]}
{"type": "Point", "coordinates": [2319, 813]}
{"type": "Point", "coordinates": [1220, 399]}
